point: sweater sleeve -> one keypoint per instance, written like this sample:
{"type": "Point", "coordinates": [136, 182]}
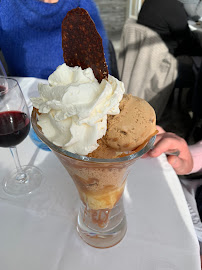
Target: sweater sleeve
{"type": "Point", "coordinates": [0, 28]}
{"type": "Point", "coordinates": [196, 151]}
{"type": "Point", "coordinates": [92, 9]}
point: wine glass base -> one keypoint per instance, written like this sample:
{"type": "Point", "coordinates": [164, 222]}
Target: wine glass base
{"type": "Point", "coordinates": [12, 186]}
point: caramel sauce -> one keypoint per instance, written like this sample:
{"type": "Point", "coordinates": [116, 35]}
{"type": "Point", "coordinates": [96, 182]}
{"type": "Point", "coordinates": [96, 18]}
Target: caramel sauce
{"type": "Point", "coordinates": [85, 184]}
{"type": "Point", "coordinates": [100, 217]}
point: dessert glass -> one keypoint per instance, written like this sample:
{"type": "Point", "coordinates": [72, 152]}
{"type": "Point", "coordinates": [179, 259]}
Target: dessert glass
{"type": "Point", "coordinates": [100, 183]}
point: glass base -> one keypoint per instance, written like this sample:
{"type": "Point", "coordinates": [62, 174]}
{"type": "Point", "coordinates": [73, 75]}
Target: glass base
{"type": "Point", "coordinates": [12, 185]}
{"type": "Point", "coordinates": [102, 228]}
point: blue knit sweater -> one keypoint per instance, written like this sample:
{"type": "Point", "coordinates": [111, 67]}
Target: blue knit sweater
{"type": "Point", "coordinates": [30, 34]}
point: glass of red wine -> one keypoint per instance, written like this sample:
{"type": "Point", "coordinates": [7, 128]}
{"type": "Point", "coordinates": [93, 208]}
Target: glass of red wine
{"type": "Point", "coordinates": [14, 128]}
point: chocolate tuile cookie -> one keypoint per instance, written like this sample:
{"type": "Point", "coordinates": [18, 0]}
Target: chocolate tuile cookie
{"type": "Point", "coordinates": [82, 44]}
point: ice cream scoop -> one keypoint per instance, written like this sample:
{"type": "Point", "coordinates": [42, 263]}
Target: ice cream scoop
{"type": "Point", "coordinates": [135, 123]}
{"type": "Point", "coordinates": [128, 130]}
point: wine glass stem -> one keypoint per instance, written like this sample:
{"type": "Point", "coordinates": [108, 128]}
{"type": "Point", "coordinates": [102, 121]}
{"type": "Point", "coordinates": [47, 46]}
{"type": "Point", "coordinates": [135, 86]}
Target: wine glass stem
{"type": "Point", "coordinates": [21, 176]}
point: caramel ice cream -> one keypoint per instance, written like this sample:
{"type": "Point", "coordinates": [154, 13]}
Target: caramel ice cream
{"type": "Point", "coordinates": [135, 123]}
{"type": "Point", "coordinates": [128, 130]}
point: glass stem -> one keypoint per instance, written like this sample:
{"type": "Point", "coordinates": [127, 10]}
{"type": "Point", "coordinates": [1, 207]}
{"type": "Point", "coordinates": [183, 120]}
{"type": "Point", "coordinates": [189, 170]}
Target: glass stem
{"type": "Point", "coordinates": [21, 176]}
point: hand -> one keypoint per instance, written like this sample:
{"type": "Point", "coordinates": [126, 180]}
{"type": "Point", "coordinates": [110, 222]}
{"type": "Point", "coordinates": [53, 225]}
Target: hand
{"type": "Point", "coordinates": [166, 141]}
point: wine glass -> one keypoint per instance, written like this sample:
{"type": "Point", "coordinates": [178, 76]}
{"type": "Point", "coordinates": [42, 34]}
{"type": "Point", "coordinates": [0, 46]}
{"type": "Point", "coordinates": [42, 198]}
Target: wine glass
{"type": "Point", "coordinates": [14, 128]}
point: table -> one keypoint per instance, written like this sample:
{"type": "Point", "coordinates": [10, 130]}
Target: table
{"type": "Point", "coordinates": [37, 231]}
{"type": "Point", "coordinates": [195, 26]}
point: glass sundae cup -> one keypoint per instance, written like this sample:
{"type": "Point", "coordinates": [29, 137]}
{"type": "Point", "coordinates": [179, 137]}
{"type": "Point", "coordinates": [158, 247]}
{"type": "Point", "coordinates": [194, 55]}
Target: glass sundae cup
{"type": "Point", "coordinates": [100, 183]}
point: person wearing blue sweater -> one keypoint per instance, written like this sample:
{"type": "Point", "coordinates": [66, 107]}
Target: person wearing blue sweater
{"type": "Point", "coordinates": [30, 34]}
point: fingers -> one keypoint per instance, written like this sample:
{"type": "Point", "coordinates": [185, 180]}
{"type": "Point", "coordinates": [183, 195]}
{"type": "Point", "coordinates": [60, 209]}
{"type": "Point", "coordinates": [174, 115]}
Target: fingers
{"type": "Point", "coordinates": [181, 166]}
{"type": "Point", "coordinates": [160, 129]}
{"type": "Point", "coordinates": [156, 151]}
{"type": "Point", "coordinates": [166, 142]}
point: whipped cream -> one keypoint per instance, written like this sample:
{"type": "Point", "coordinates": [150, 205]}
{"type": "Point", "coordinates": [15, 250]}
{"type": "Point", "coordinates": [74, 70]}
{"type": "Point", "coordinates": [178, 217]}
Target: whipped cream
{"type": "Point", "coordinates": [73, 108]}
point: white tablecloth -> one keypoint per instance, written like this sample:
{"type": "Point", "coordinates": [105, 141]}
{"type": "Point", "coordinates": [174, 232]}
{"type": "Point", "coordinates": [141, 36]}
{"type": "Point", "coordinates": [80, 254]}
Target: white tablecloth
{"type": "Point", "coordinates": [37, 232]}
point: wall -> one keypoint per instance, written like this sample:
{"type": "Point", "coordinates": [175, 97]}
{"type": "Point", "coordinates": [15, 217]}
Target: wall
{"type": "Point", "coordinates": [113, 14]}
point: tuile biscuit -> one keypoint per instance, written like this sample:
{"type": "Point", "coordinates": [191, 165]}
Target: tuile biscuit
{"type": "Point", "coordinates": [82, 44]}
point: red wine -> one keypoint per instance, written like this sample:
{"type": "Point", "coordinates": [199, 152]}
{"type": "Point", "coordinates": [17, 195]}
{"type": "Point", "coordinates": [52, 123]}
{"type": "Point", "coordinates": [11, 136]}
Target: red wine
{"type": "Point", "coordinates": [14, 127]}
{"type": "Point", "coordinates": [2, 88]}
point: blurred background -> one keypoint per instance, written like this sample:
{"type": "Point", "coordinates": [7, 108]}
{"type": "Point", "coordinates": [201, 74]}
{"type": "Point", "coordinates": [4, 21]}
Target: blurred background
{"type": "Point", "coordinates": [114, 14]}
